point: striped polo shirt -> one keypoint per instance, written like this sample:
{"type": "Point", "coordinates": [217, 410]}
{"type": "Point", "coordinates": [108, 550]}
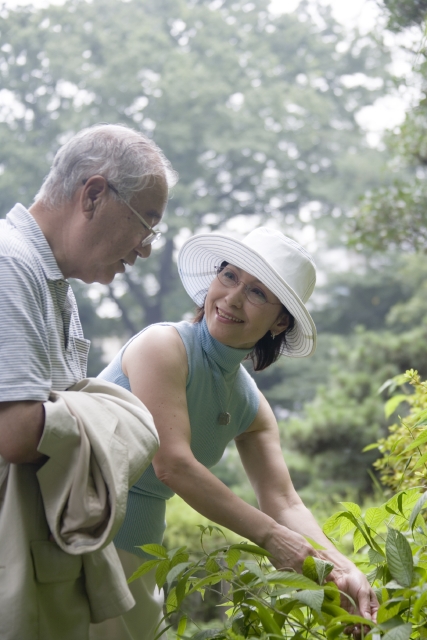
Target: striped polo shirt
{"type": "Point", "coordinates": [41, 339]}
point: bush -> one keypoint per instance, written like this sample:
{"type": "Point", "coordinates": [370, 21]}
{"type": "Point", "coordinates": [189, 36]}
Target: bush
{"type": "Point", "coordinates": [261, 602]}
{"type": "Point", "coordinates": [404, 452]}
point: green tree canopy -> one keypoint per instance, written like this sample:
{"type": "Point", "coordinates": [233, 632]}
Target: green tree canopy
{"type": "Point", "coordinates": [256, 111]}
{"type": "Point", "coordinates": [395, 216]}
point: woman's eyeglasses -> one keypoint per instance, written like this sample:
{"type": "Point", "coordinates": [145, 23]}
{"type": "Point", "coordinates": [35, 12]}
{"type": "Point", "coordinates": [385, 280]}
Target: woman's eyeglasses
{"type": "Point", "coordinates": [230, 279]}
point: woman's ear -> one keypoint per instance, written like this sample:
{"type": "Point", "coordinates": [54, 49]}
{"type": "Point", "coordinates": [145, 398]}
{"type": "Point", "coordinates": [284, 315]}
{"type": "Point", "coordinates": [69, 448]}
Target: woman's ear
{"type": "Point", "coordinates": [281, 324]}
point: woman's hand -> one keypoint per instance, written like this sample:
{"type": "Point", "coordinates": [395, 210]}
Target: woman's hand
{"type": "Point", "coordinates": [289, 550]}
{"type": "Point", "coordinates": [355, 584]}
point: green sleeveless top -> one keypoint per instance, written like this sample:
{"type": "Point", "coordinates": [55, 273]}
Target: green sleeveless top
{"type": "Point", "coordinates": [216, 382]}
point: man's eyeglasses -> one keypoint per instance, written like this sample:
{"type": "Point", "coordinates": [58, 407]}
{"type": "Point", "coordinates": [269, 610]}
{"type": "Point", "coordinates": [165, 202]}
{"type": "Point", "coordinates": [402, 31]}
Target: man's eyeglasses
{"type": "Point", "coordinates": [154, 235]}
{"type": "Point", "coordinates": [230, 279]}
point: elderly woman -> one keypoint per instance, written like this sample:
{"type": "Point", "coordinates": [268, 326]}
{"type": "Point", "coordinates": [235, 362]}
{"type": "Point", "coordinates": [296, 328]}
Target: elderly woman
{"type": "Point", "coordinates": [251, 297]}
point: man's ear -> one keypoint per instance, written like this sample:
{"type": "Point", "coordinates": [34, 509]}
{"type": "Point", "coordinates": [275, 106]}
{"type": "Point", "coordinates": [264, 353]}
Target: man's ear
{"type": "Point", "coordinates": [93, 189]}
{"type": "Point", "coordinates": [281, 324]}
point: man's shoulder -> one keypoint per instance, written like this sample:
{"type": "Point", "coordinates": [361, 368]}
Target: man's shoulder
{"type": "Point", "coordinates": [14, 249]}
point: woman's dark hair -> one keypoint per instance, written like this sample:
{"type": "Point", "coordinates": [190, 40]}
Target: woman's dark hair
{"type": "Point", "coordinates": [266, 351]}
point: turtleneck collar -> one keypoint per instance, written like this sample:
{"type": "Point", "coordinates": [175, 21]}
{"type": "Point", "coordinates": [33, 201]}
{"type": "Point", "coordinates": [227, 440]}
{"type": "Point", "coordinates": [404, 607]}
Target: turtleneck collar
{"type": "Point", "coordinates": [227, 358]}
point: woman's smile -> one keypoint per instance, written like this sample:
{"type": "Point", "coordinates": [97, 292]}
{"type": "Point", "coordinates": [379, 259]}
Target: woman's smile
{"type": "Point", "coordinates": [223, 315]}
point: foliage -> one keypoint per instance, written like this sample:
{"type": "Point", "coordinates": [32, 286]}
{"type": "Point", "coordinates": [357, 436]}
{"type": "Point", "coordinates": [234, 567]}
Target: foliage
{"type": "Point", "coordinates": [256, 111]}
{"type": "Point", "coordinates": [347, 414]}
{"type": "Point", "coordinates": [390, 543]}
{"type": "Point", "coordinates": [404, 452]}
{"type": "Point", "coordinates": [182, 527]}
{"type": "Point", "coordinates": [405, 14]}
{"type": "Point", "coordinates": [395, 216]}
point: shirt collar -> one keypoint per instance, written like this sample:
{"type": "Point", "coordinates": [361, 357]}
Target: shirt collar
{"type": "Point", "coordinates": [228, 358]}
{"type": "Point", "coordinates": [20, 218]}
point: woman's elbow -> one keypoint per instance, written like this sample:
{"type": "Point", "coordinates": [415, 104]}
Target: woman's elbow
{"type": "Point", "coordinates": [170, 470]}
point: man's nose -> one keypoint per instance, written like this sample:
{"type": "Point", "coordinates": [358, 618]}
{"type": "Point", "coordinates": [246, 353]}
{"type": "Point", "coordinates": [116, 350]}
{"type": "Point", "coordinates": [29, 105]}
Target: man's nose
{"type": "Point", "coordinates": [145, 252]}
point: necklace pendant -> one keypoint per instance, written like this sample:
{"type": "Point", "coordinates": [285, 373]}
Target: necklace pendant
{"type": "Point", "coordinates": [224, 418]}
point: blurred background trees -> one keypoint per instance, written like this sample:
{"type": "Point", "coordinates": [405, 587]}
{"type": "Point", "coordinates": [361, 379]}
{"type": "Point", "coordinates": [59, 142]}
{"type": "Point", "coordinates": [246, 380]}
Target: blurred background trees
{"type": "Point", "coordinates": [258, 112]}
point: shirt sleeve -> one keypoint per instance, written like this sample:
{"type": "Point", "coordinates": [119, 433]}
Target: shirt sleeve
{"type": "Point", "coordinates": [25, 371]}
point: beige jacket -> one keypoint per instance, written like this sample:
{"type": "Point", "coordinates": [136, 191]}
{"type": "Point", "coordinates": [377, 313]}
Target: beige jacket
{"type": "Point", "coordinates": [99, 439]}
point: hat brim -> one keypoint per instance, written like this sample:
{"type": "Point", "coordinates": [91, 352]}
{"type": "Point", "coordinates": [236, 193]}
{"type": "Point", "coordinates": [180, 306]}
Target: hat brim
{"type": "Point", "coordinates": [200, 255]}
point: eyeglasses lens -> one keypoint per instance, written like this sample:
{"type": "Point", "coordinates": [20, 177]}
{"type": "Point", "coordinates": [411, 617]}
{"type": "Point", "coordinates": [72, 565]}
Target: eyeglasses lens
{"type": "Point", "coordinates": [229, 279]}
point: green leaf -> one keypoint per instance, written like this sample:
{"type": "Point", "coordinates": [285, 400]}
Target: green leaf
{"type": "Point", "coordinates": [207, 634]}
{"type": "Point", "coordinates": [177, 553]}
{"type": "Point", "coordinates": [171, 602]}
{"type": "Point", "coordinates": [323, 569]}
{"type": "Point", "coordinates": [211, 579]}
{"type": "Point", "coordinates": [375, 557]}
{"type": "Point", "coordinates": [162, 572]}
{"type": "Point", "coordinates": [256, 570]}
{"type": "Point", "coordinates": [314, 544]}
{"type": "Point", "coordinates": [180, 588]}
{"type": "Point", "coordinates": [387, 611]}
{"type": "Point", "coordinates": [359, 540]}
{"type": "Point", "coordinates": [420, 462]}
{"type": "Point", "coordinates": [346, 526]}
{"type": "Point", "coordinates": [182, 625]}
{"type": "Point", "coordinates": [212, 565]}
{"type": "Point", "coordinates": [419, 604]}
{"type": "Point", "coordinates": [394, 402]}
{"type": "Point", "coordinates": [352, 507]}
{"type": "Point", "coordinates": [394, 382]}
{"type": "Point", "coordinates": [348, 618]}
{"type": "Point", "coordinates": [369, 447]}
{"type": "Point", "coordinates": [313, 599]}
{"type": "Point", "coordinates": [334, 631]}
{"type": "Point", "coordinates": [155, 550]}
{"type": "Point", "coordinates": [251, 548]}
{"type": "Point", "coordinates": [402, 632]}
{"type": "Point", "coordinates": [291, 579]}
{"type": "Point", "coordinates": [309, 569]}
{"type": "Point", "coordinates": [410, 498]}
{"type": "Point", "coordinates": [421, 418]}
{"type": "Point", "coordinates": [419, 440]}
{"type": "Point", "coordinates": [267, 618]}
{"type": "Point", "coordinates": [176, 571]}
{"type": "Point", "coordinates": [143, 569]}
{"type": "Point", "coordinates": [331, 523]}
{"type": "Point", "coordinates": [232, 557]}
{"type": "Point", "coordinates": [418, 508]}
{"type": "Point", "coordinates": [399, 557]}
{"type": "Point", "coordinates": [332, 594]}
{"type": "Point", "coordinates": [375, 516]}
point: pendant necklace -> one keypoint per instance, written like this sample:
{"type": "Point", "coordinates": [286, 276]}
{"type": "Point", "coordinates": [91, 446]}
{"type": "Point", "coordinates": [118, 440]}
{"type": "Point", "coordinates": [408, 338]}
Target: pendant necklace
{"type": "Point", "coordinates": [224, 418]}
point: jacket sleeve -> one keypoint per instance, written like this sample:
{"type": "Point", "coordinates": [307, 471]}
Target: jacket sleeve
{"type": "Point", "coordinates": [99, 439]}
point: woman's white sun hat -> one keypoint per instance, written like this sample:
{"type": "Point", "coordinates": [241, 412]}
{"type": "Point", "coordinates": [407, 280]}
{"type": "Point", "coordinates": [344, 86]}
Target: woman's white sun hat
{"type": "Point", "coordinates": [277, 261]}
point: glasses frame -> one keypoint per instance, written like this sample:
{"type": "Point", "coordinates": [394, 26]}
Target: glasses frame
{"type": "Point", "coordinates": [154, 235]}
{"type": "Point", "coordinates": [246, 290]}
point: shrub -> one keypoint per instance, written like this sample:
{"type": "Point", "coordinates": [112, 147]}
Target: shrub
{"type": "Point", "coordinates": [404, 452]}
{"type": "Point", "coordinates": [261, 602]}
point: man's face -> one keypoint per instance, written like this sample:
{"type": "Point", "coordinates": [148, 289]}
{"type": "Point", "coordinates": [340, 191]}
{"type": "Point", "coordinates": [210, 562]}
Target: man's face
{"type": "Point", "coordinates": [114, 233]}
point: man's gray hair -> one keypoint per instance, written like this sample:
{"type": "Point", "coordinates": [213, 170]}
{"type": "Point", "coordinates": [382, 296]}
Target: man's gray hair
{"type": "Point", "coordinates": [124, 157]}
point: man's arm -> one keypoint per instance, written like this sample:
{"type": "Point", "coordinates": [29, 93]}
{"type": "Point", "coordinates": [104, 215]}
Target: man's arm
{"type": "Point", "coordinates": [21, 427]}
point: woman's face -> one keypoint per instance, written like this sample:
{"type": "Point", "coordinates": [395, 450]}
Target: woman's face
{"type": "Point", "coordinates": [236, 322]}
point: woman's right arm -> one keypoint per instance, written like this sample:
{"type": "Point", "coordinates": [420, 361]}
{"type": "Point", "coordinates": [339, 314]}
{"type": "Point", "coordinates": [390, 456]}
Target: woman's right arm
{"type": "Point", "coordinates": [156, 365]}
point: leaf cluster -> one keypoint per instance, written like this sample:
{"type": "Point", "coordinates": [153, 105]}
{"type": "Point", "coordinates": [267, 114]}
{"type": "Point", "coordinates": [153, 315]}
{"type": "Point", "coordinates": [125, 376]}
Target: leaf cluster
{"type": "Point", "coordinates": [261, 602]}
{"type": "Point", "coordinates": [404, 452]}
{"type": "Point", "coordinates": [323, 447]}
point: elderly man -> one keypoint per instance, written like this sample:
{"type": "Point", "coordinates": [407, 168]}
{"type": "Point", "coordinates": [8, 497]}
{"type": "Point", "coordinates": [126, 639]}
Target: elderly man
{"type": "Point", "coordinates": [94, 215]}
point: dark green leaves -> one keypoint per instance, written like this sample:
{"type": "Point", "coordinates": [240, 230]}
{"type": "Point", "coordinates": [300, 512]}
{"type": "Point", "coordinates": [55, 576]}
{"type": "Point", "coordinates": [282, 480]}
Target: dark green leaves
{"type": "Point", "coordinates": [399, 557]}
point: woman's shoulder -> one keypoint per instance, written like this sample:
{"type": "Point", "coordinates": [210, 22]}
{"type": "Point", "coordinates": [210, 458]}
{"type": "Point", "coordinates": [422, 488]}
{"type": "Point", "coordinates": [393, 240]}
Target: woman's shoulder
{"type": "Point", "coordinates": [160, 345]}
